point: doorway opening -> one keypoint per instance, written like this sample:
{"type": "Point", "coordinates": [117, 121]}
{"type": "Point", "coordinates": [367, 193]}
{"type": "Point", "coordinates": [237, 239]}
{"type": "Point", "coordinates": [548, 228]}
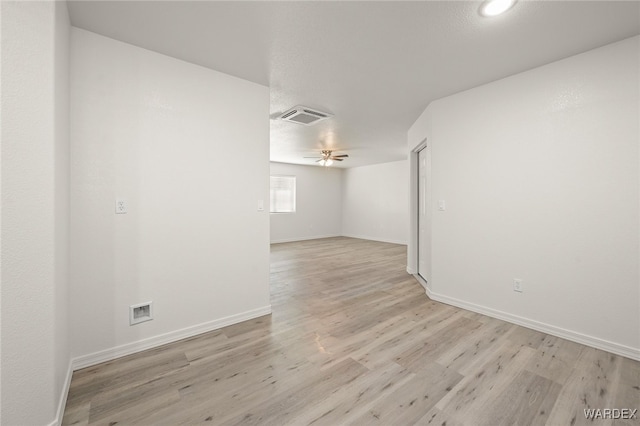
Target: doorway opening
{"type": "Point", "coordinates": [419, 248]}
{"type": "Point", "coordinates": [423, 223]}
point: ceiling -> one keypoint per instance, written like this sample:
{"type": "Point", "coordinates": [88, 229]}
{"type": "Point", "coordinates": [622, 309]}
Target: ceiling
{"type": "Point", "coordinates": [376, 65]}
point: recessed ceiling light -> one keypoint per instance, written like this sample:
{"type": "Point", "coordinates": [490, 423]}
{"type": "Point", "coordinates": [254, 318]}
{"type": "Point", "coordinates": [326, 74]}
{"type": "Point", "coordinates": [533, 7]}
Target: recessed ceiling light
{"type": "Point", "coordinates": [496, 7]}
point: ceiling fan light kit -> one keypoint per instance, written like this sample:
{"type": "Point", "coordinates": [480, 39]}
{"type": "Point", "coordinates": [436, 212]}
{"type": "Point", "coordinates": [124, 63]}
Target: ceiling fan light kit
{"type": "Point", "coordinates": [304, 115]}
{"type": "Point", "coordinates": [328, 158]}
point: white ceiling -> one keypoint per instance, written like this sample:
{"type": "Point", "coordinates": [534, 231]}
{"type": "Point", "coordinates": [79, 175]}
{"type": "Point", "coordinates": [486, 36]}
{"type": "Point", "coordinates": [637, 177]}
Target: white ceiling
{"type": "Point", "coordinates": [375, 65]}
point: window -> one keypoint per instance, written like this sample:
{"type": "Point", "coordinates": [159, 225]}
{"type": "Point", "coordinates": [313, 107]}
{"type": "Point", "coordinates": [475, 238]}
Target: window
{"type": "Point", "coordinates": [283, 194]}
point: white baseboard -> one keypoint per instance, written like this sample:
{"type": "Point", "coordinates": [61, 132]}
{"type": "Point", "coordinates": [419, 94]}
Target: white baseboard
{"type": "Point", "coordinates": [162, 339]}
{"type": "Point", "coordinates": [422, 282]}
{"type": "Point", "coordinates": [594, 342]}
{"type": "Point", "coordinates": [316, 237]}
{"type": "Point", "coordinates": [370, 238]}
{"type": "Point", "coordinates": [410, 271]}
{"type": "Point", "coordinates": [360, 237]}
{"type": "Point", "coordinates": [62, 403]}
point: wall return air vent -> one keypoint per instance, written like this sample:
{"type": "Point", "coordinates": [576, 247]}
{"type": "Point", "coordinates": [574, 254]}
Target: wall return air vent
{"type": "Point", "coordinates": [304, 115]}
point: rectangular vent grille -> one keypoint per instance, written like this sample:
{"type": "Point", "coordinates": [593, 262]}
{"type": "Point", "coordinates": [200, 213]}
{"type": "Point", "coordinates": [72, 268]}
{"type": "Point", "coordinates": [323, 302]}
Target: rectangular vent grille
{"type": "Point", "coordinates": [304, 115]}
{"type": "Point", "coordinates": [289, 114]}
{"type": "Point", "coordinates": [319, 114]}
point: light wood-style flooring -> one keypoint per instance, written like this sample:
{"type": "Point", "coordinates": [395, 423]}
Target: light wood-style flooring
{"type": "Point", "coordinates": [354, 340]}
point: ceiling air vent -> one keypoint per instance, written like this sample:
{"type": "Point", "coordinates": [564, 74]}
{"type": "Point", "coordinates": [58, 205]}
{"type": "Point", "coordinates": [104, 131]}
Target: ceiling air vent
{"type": "Point", "coordinates": [304, 115]}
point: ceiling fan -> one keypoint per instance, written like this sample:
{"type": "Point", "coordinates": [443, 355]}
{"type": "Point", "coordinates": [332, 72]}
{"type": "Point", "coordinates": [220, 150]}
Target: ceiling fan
{"type": "Point", "coordinates": [328, 158]}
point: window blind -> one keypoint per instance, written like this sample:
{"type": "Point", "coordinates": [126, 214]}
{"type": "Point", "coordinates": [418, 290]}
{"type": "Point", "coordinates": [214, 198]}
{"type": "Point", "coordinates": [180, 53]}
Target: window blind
{"type": "Point", "coordinates": [283, 194]}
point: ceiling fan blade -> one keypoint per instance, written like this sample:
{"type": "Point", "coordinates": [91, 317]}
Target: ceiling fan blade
{"type": "Point", "coordinates": [317, 161]}
{"type": "Point", "coordinates": [341, 155]}
{"type": "Point", "coordinates": [337, 159]}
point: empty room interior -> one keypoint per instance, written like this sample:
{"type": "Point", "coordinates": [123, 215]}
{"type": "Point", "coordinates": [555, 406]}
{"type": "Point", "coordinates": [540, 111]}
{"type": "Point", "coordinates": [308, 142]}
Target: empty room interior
{"type": "Point", "coordinates": [320, 212]}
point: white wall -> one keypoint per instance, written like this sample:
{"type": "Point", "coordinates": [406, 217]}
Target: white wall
{"type": "Point", "coordinates": [188, 149]}
{"type": "Point", "coordinates": [35, 150]}
{"type": "Point", "coordinates": [375, 202]}
{"type": "Point", "coordinates": [61, 206]}
{"type": "Point", "coordinates": [540, 173]}
{"type": "Point", "coordinates": [318, 204]}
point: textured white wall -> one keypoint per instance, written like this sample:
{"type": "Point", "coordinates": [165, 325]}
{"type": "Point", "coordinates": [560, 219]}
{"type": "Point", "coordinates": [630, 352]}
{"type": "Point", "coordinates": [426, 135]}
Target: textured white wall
{"type": "Point", "coordinates": [35, 149]}
{"type": "Point", "coordinates": [375, 202]}
{"type": "Point", "coordinates": [318, 204]}
{"type": "Point", "coordinates": [188, 149]}
{"type": "Point", "coordinates": [540, 175]}
{"type": "Point", "coordinates": [62, 353]}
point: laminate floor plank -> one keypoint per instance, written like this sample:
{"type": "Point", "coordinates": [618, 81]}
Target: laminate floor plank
{"type": "Point", "coordinates": [627, 393]}
{"type": "Point", "coordinates": [381, 351]}
{"type": "Point", "coordinates": [430, 349]}
{"type": "Point", "coordinates": [528, 399]}
{"type": "Point", "coordinates": [414, 399]}
{"type": "Point", "coordinates": [280, 408]}
{"type": "Point", "coordinates": [555, 359]}
{"type": "Point", "coordinates": [354, 399]}
{"type": "Point", "coordinates": [354, 340]}
{"type": "Point", "coordinates": [436, 417]}
{"type": "Point", "coordinates": [335, 350]}
{"type": "Point", "coordinates": [465, 355]}
{"type": "Point", "coordinates": [479, 391]}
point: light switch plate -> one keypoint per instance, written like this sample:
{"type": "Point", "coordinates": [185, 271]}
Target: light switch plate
{"type": "Point", "coordinates": [121, 206]}
{"type": "Point", "coordinates": [517, 285]}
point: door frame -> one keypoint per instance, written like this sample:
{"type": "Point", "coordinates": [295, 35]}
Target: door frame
{"type": "Point", "coordinates": [414, 206]}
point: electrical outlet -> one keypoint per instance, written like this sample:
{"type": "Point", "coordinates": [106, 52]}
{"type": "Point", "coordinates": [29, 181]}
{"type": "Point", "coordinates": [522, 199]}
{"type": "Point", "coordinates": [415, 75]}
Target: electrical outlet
{"type": "Point", "coordinates": [121, 207]}
{"type": "Point", "coordinates": [517, 285]}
